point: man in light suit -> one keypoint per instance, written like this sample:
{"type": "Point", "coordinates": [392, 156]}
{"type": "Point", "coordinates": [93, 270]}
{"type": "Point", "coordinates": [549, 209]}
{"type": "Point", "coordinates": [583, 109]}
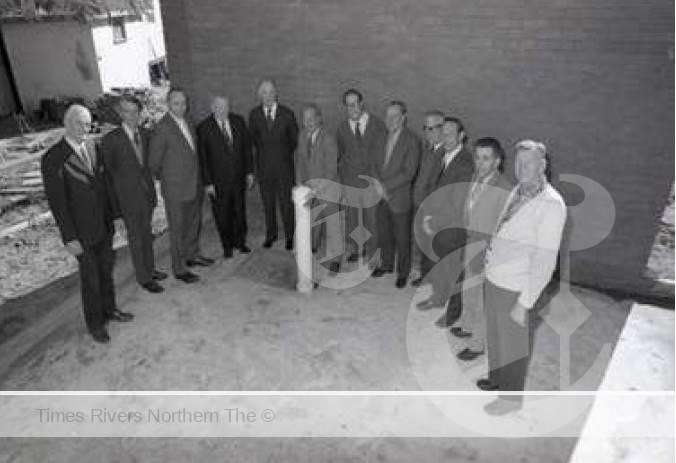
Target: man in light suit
{"type": "Point", "coordinates": [361, 141]}
{"type": "Point", "coordinates": [174, 161]}
{"type": "Point", "coordinates": [396, 171]}
{"type": "Point", "coordinates": [274, 132]}
{"type": "Point", "coordinates": [124, 153]}
{"type": "Point", "coordinates": [443, 221]}
{"type": "Point", "coordinates": [224, 148]}
{"type": "Point", "coordinates": [485, 201]}
{"type": "Point", "coordinates": [430, 159]}
{"type": "Point", "coordinates": [80, 203]}
{"type": "Point", "coordinates": [519, 264]}
{"type": "Point", "coordinates": [317, 161]}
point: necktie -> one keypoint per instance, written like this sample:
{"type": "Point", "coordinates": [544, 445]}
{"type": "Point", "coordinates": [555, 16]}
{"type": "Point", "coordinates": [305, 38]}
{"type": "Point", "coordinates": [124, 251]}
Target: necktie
{"type": "Point", "coordinates": [268, 117]}
{"type": "Point", "coordinates": [357, 130]}
{"type": "Point", "coordinates": [388, 150]}
{"type": "Point", "coordinates": [309, 145]}
{"type": "Point", "coordinates": [137, 147]}
{"type": "Point", "coordinates": [84, 154]}
{"type": "Point", "coordinates": [224, 129]}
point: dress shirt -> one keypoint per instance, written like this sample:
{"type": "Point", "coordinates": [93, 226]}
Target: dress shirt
{"type": "Point", "coordinates": [391, 143]}
{"type": "Point", "coordinates": [362, 122]}
{"type": "Point", "coordinates": [271, 111]}
{"type": "Point", "coordinates": [224, 125]}
{"type": "Point", "coordinates": [82, 152]}
{"type": "Point", "coordinates": [132, 133]}
{"type": "Point", "coordinates": [183, 125]}
{"type": "Point", "coordinates": [449, 156]}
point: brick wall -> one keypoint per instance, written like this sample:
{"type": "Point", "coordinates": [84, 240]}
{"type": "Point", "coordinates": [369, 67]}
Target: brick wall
{"type": "Point", "coordinates": [594, 80]}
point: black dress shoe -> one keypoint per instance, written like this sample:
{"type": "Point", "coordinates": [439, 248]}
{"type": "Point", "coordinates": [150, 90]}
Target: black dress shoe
{"type": "Point", "coordinates": [101, 336]}
{"type": "Point", "coordinates": [289, 245]}
{"type": "Point", "coordinates": [159, 276]}
{"type": "Point", "coordinates": [487, 385]}
{"type": "Point", "coordinates": [334, 267]}
{"type": "Point", "coordinates": [187, 277]}
{"type": "Point", "coordinates": [244, 249]}
{"type": "Point", "coordinates": [459, 332]}
{"type": "Point", "coordinates": [117, 315]}
{"type": "Point", "coordinates": [468, 354]}
{"type": "Point", "coordinates": [268, 242]}
{"type": "Point", "coordinates": [379, 272]}
{"type": "Point", "coordinates": [227, 253]}
{"type": "Point", "coordinates": [417, 282]}
{"type": "Point", "coordinates": [401, 282]}
{"type": "Point", "coordinates": [153, 287]}
{"type": "Point", "coordinates": [199, 260]}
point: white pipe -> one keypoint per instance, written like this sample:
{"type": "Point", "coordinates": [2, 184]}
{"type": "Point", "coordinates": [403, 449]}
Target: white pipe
{"type": "Point", "coordinates": [303, 238]}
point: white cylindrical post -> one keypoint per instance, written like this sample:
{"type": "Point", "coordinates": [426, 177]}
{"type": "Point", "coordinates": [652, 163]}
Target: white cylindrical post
{"type": "Point", "coordinates": [303, 238]}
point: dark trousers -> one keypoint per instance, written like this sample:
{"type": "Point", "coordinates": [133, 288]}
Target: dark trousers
{"type": "Point", "coordinates": [448, 275]}
{"type": "Point", "coordinates": [140, 237]}
{"type": "Point", "coordinates": [184, 220]}
{"type": "Point", "coordinates": [228, 210]}
{"type": "Point", "coordinates": [368, 222]}
{"type": "Point", "coordinates": [96, 283]}
{"type": "Point", "coordinates": [274, 189]}
{"type": "Point", "coordinates": [394, 236]}
{"type": "Point", "coordinates": [508, 346]}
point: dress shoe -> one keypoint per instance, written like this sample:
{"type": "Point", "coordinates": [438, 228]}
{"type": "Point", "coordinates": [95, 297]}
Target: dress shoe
{"type": "Point", "coordinates": [460, 332]}
{"type": "Point", "coordinates": [446, 321]}
{"type": "Point", "coordinates": [487, 385]}
{"type": "Point", "coordinates": [244, 249]}
{"type": "Point", "coordinates": [153, 287]}
{"type": "Point", "coordinates": [417, 282]}
{"type": "Point", "coordinates": [468, 354]}
{"type": "Point", "coordinates": [428, 304]}
{"type": "Point", "coordinates": [289, 245]}
{"type": "Point", "coordinates": [227, 253]}
{"type": "Point", "coordinates": [334, 267]}
{"type": "Point", "coordinates": [502, 407]}
{"type": "Point", "coordinates": [117, 315]}
{"type": "Point", "coordinates": [187, 277]}
{"type": "Point", "coordinates": [199, 260]}
{"type": "Point", "coordinates": [101, 336]}
{"type": "Point", "coordinates": [379, 272]}
{"type": "Point", "coordinates": [159, 276]}
{"type": "Point", "coordinates": [401, 282]}
{"type": "Point", "coordinates": [268, 242]}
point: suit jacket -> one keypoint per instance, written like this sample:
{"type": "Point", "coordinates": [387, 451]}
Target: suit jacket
{"type": "Point", "coordinates": [224, 165]}
{"type": "Point", "coordinates": [274, 146]}
{"type": "Point", "coordinates": [398, 175]}
{"type": "Point", "coordinates": [129, 181]}
{"type": "Point", "coordinates": [77, 197]}
{"type": "Point", "coordinates": [448, 210]}
{"type": "Point", "coordinates": [173, 161]}
{"type": "Point", "coordinates": [359, 157]}
{"type": "Point", "coordinates": [481, 217]}
{"type": "Point", "coordinates": [321, 161]}
{"type": "Point", "coordinates": [425, 180]}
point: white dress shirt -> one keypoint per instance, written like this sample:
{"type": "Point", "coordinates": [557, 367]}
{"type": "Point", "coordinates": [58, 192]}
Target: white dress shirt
{"type": "Point", "coordinates": [522, 254]}
{"type": "Point", "coordinates": [225, 125]}
{"type": "Point", "coordinates": [448, 157]}
{"type": "Point", "coordinates": [271, 111]}
{"type": "Point", "coordinates": [362, 122]}
{"type": "Point", "coordinates": [82, 152]}
{"type": "Point", "coordinates": [183, 125]}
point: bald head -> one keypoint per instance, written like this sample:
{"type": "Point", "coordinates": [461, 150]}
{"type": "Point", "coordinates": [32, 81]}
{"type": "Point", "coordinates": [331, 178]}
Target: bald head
{"type": "Point", "coordinates": [220, 107]}
{"type": "Point", "coordinates": [78, 122]}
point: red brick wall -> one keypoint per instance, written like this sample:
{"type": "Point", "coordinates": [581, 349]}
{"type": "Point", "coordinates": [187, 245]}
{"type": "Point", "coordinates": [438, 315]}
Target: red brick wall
{"type": "Point", "coordinates": [592, 79]}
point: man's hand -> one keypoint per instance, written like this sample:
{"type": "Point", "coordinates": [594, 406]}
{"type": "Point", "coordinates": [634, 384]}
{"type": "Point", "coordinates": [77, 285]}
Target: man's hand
{"type": "Point", "coordinates": [250, 179]}
{"type": "Point", "coordinates": [427, 225]}
{"type": "Point", "coordinates": [210, 190]}
{"type": "Point", "coordinates": [519, 314]}
{"type": "Point", "coordinates": [74, 248]}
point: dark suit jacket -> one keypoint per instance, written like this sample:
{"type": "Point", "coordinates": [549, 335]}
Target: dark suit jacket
{"type": "Point", "coordinates": [274, 147]}
{"type": "Point", "coordinates": [130, 181]}
{"type": "Point", "coordinates": [223, 165]}
{"type": "Point", "coordinates": [357, 157]}
{"type": "Point", "coordinates": [448, 210]}
{"type": "Point", "coordinates": [321, 161]}
{"type": "Point", "coordinates": [78, 199]}
{"type": "Point", "coordinates": [428, 171]}
{"type": "Point", "coordinates": [398, 175]}
{"type": "Point", "coordinates": [173, 161]}
{"type": "Point", "coordinates": [481, 219]}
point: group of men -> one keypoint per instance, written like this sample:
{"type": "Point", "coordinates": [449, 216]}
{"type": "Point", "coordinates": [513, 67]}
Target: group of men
{"type": "Point", "coordinates": [439, 189]}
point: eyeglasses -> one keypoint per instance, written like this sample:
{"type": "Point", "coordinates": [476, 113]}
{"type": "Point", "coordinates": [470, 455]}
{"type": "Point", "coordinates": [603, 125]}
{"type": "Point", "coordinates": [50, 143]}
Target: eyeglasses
{"type": "Point", "coordinates": [429, 128]}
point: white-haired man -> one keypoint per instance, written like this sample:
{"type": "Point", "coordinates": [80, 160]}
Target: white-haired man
{"type": "Point", "coordinates": [519, 264]}
{"type": "Point", "coordinates": [80, 202]}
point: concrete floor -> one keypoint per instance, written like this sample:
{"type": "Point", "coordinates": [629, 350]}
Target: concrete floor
{"type": "Point", "coordinates": [244, 328]}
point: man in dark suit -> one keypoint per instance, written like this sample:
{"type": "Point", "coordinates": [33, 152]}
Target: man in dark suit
{"type": "Point", "coordinates": [173, 160]}
{"type": "Point", "coordinates": [425, 180]}
{"type": "Point", "coordinates": [361, 141]}
{"type": "Point", "coordinates": [224, 150]}
{"type": "Point", "coordinates": [78, 198]}
{"type": "Point", "coordinates": [396, 171]}
{"type": "Point", "coordinates": [124, 153]}
{"type": "Point", "coordinates": [274, 132]}
{"type": "Point", "coordinates": [443, 221]}
{"type": "Point", "coordinates": [316, 162]}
